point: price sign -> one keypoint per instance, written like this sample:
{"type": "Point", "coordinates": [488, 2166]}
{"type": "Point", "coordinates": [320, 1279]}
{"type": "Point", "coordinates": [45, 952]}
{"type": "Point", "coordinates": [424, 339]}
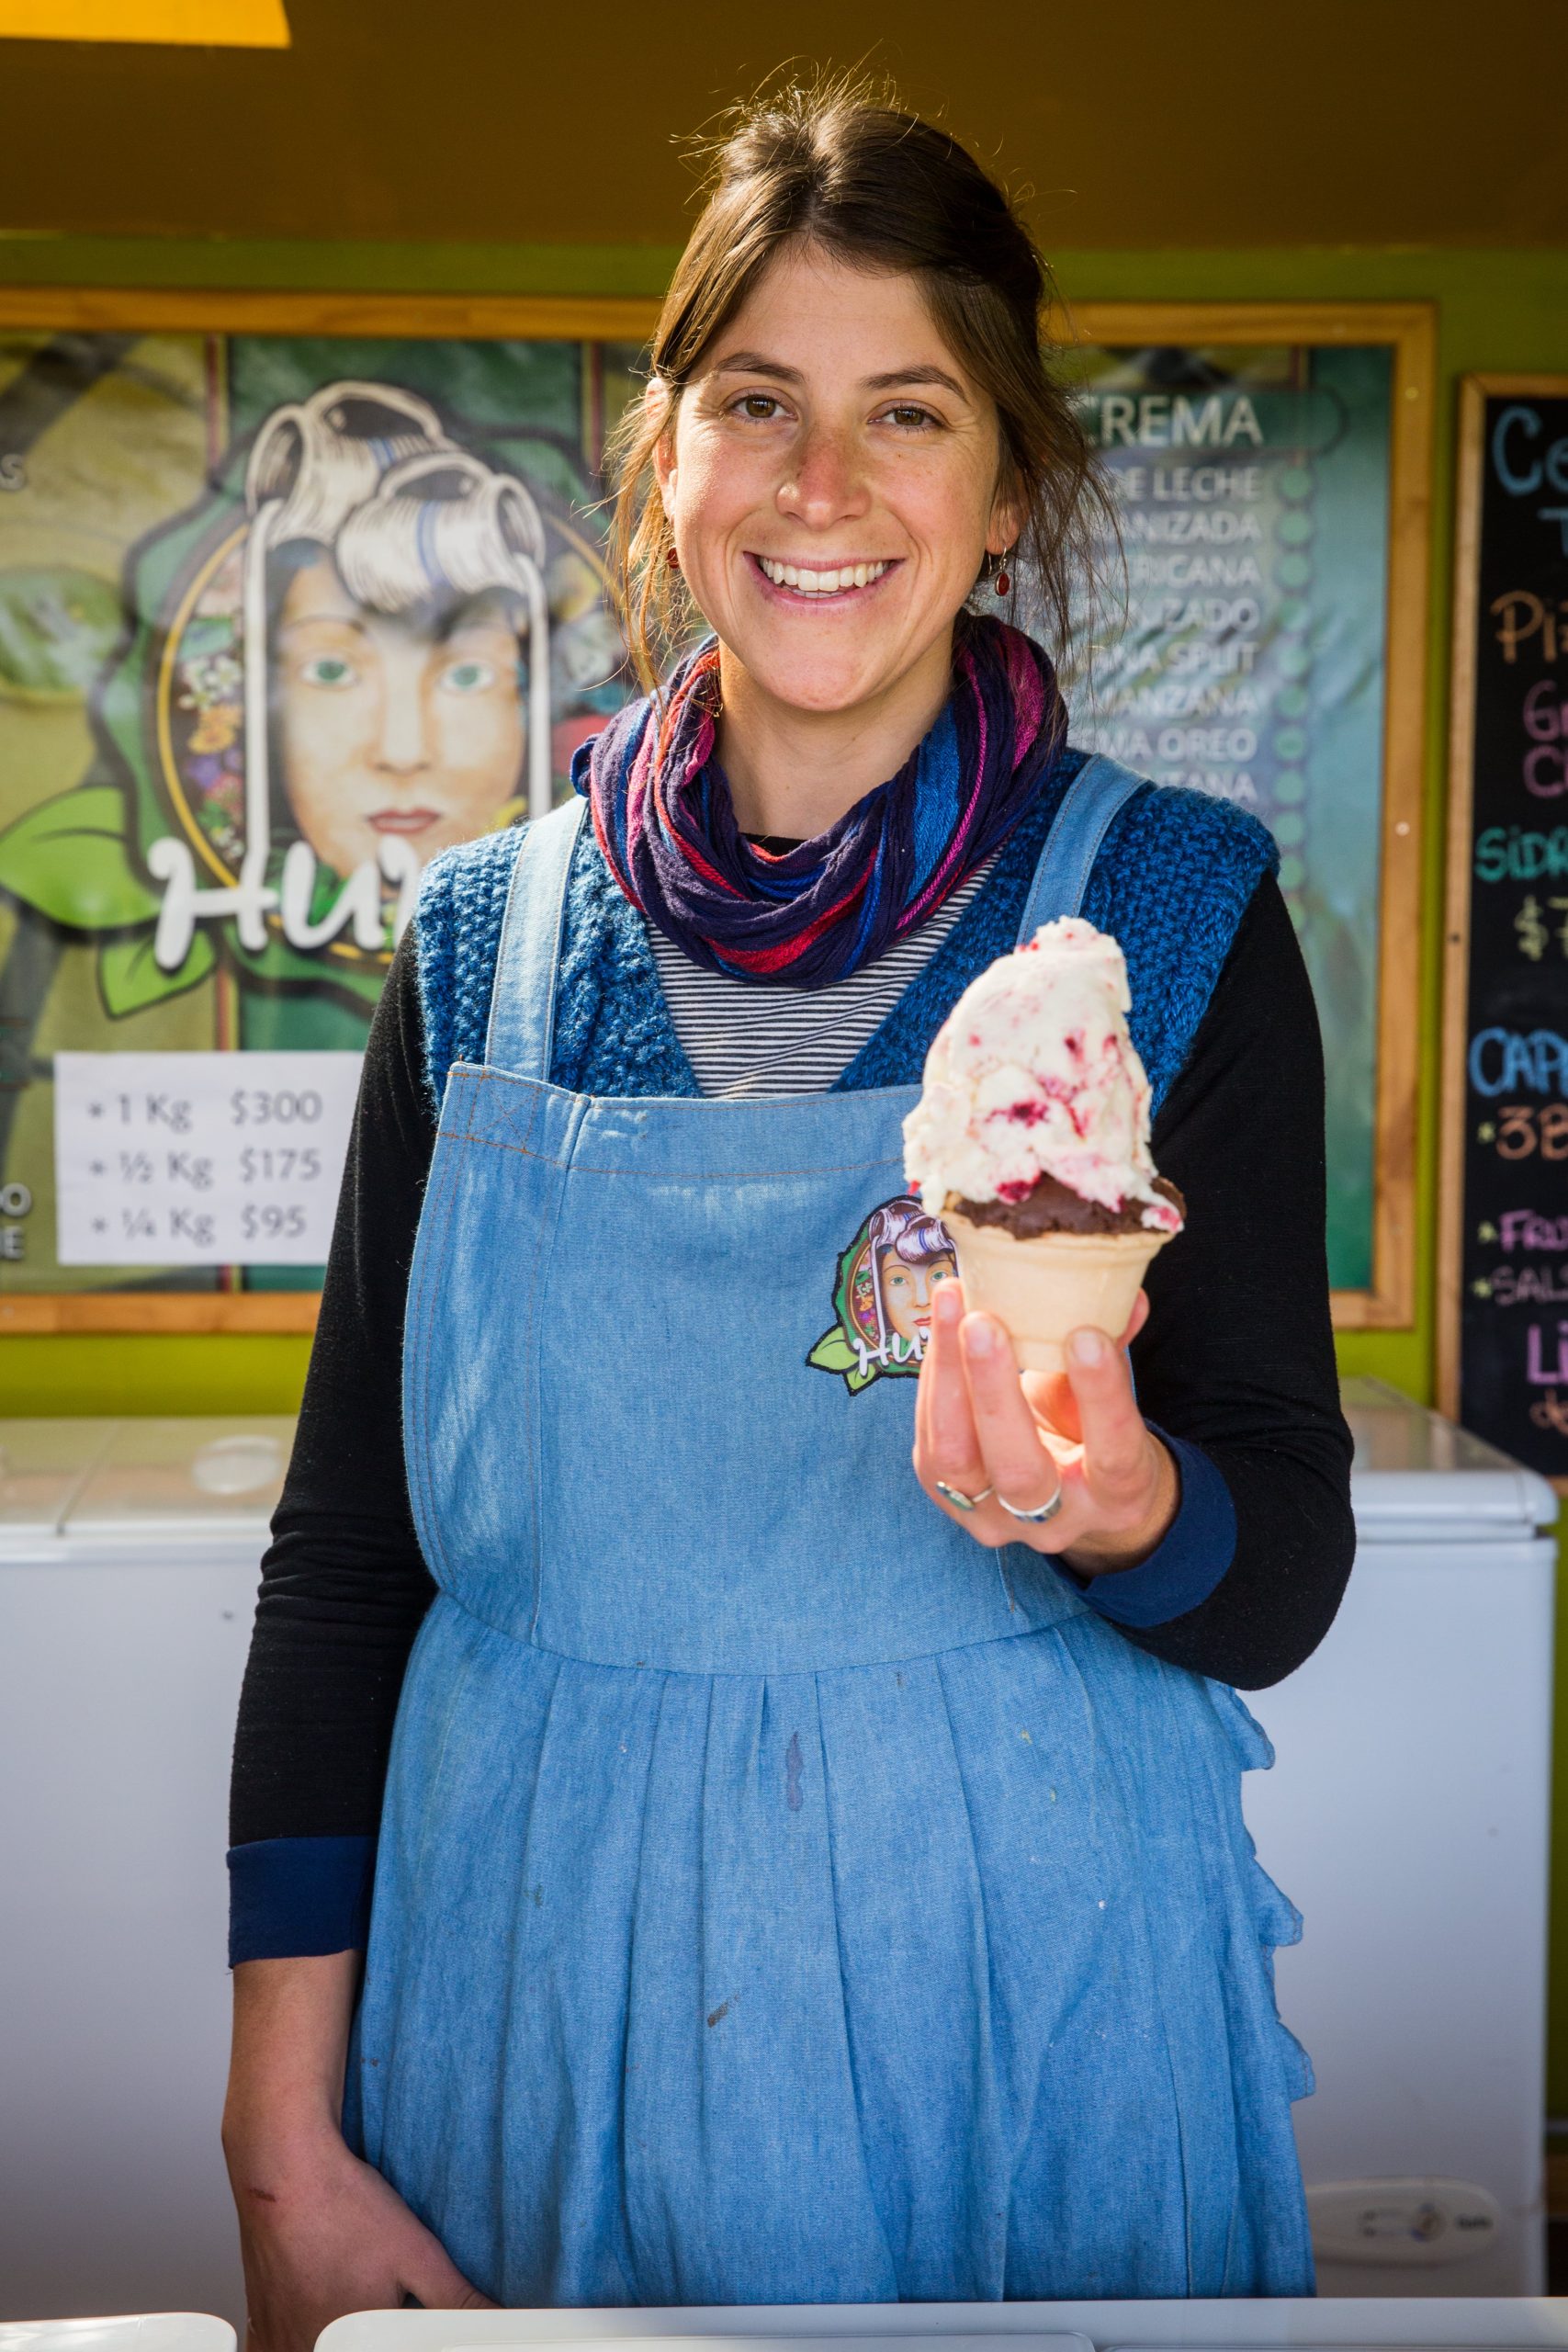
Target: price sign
{"type": "Point", "coordinates": [1504, 1343]}
{"type": "Point", "coordinates": [199, 1159]}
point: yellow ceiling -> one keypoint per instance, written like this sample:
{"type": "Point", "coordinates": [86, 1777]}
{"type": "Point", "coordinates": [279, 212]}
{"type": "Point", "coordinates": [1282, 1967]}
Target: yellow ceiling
{"type": "Point", "coordinates": [1219, 123]}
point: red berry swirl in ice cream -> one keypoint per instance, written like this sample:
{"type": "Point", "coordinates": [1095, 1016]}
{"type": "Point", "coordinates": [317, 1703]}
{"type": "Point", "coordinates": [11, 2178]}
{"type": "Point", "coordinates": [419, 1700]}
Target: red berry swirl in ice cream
{"type": "Point", "coordinates": [1034, 1082]}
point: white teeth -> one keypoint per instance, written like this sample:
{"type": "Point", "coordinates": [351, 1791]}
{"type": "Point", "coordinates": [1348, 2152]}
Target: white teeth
{"type": "Point", "coordinates": [821, 583]}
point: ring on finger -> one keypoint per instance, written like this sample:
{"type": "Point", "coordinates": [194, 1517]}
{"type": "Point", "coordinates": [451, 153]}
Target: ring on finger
{"type": "Point", "coordinates": [1032, 1517]}
{"type": "Point", "coordinates": [960, 1500]}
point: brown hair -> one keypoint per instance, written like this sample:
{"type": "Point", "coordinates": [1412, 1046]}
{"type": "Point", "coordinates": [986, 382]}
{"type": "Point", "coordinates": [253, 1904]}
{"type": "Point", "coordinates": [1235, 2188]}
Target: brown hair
{"type": "Point", "coordinates": [840, 166]}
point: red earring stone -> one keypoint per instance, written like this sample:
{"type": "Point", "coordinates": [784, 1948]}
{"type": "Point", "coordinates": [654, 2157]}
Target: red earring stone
{"type": "Point", "coordinates": [672, 558]}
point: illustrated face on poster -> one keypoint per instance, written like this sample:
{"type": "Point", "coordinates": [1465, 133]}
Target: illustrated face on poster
{"type": "Point", "coordinates": [392, 725]}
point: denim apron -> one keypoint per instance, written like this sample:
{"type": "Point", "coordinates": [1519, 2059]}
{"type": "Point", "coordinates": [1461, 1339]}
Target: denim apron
{"type": "Point", "coordinates": [780, 1897]}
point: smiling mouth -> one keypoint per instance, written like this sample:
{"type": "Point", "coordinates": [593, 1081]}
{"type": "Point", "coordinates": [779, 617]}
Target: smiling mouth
{"type": "Point", "coordinates": [405, 820]}
{"type": "Point", "coordinates": [838, 580]}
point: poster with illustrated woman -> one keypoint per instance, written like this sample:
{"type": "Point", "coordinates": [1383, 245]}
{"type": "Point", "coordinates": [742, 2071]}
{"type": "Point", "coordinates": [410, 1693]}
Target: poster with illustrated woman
{"type": "Point", "coordinates": [737, 1795]}
{"type": "Point", "coordinates": [371, 626]}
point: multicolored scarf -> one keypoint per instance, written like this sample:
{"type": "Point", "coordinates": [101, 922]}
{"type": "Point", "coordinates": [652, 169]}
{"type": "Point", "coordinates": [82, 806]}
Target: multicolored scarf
{"type": "Point", "coordinates": [806, 916]}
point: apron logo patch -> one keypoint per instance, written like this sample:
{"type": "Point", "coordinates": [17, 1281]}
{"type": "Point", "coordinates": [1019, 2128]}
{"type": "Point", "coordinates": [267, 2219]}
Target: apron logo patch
{"type": "Point", "coordinates": [881, 1295]}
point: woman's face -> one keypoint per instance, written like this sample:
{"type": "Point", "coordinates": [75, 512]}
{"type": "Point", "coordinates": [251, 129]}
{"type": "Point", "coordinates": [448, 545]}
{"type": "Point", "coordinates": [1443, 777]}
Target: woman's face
{"type": "Point", "coordinates": [831, 482]}
{"type": "Point", "coordinates": [906, 1291]}
{"type": "Point", "coordinates": [392, 727]}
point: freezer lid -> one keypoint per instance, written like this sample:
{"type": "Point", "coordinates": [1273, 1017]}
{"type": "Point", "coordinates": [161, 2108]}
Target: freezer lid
{"type": "Point", "coordinates": [1418, 1478]}
{"type": "Point", "coordinates": [43, 1465]}
{"type": "Point", "coordinates": [182, 1484]}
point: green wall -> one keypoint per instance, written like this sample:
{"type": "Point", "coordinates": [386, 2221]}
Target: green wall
{"type": "Point", "coordinates": [1496, 311]}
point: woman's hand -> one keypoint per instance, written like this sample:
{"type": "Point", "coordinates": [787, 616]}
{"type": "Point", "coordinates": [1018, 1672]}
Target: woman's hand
{"type": "Point", "coordinates": [321, 2233]}
{"type": "Point", "coordinates": [980, 1424]}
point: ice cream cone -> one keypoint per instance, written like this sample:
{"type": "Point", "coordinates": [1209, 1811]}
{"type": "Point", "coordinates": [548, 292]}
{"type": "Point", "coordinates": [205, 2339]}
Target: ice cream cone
{"type": "Point", "coordinates": [1049, 1285]}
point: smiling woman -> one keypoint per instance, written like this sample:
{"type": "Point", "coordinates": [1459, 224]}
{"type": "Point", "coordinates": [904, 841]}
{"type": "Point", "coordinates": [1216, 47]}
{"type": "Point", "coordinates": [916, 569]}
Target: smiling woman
{"type": "Point", "coordinates": [795, 1883]}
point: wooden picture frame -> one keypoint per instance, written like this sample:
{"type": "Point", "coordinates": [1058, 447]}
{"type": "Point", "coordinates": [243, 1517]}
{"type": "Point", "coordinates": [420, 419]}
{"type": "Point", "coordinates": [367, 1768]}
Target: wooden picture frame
{"type": "Point", "coordinates": [1474, 392]}
{"type": "Point", "coordinates": [1408, 328]}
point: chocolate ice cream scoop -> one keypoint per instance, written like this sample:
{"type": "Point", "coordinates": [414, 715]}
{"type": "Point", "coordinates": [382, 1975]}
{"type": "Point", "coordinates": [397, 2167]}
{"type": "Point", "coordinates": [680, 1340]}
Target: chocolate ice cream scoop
{"type": "Point", "coordinates": [1054, 1207]}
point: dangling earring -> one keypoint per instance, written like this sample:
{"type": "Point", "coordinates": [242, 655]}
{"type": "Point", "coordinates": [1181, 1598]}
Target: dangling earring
{"type": "Point", "coordinates": [1003, 581]}
{"type": "Point", "coordinates": [673, 558]}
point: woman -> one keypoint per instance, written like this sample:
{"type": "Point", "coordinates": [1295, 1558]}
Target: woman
{"type": "Point", "coordinates": [778, 1897]}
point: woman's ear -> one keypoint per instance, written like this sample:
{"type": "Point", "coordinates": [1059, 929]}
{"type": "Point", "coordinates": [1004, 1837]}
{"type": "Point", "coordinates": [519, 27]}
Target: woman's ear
{"type": "Point", "coordinates": [656, 403]}
{"type": "Point", "coordinates": [1005, 526]}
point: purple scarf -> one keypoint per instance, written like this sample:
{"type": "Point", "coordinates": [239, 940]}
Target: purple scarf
{"type": "Point", "coordinates": [663, 819]}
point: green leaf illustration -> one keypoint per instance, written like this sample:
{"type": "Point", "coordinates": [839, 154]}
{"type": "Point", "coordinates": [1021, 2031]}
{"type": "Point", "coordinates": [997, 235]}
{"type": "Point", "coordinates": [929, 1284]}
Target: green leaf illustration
{"type": "Point", "coordinates": [68, 858]}
{"type": "Point", "coordinates": [834, 1353]}
{"type": "Point", "coordinates": [129, 980]}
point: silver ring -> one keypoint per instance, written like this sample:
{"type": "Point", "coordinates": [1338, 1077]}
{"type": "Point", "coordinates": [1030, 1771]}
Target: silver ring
{"type": "Point", "coordinates": [961, 1501]}
{"type": "Point", "coordinates": [1032, 1517]}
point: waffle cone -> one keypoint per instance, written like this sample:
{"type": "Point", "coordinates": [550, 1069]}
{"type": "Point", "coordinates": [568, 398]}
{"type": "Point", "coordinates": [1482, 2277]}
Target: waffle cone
{"type": "Point", "coordinates": [1043, 1287]}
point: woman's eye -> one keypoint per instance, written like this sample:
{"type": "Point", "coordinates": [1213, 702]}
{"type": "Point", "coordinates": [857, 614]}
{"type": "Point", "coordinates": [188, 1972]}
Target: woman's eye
{"type": "Point", "coordinates": [909, 417]}
{"type": "Point", "coordinates": [760, 407]}
{"type": "Point", "coordinates": [328, 670]}
{"type": "Point", "coordinates": [467, 677]}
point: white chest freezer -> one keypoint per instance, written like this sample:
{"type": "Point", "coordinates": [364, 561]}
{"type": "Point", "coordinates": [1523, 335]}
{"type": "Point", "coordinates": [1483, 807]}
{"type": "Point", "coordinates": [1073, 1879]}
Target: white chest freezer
{"type": "Point", "coordinates": [1406, 1816]}
{"type": "Point", "coordinates": [128, 1559]}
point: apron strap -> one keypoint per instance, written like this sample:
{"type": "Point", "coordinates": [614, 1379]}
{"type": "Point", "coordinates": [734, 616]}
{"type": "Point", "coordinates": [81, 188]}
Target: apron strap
{"type": "Point", "coordinates": [523, 993]}
{"type": "Point", "coordinates": [1080, 824]}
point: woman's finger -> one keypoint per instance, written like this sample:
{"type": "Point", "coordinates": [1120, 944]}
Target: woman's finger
{"type": "Point", "coordinates": [947, 1451]}
{"type": "Point", "coordinates": [1124, 1467]}
{"type": "Point", "coordinates": [1114, 1437]}
{"type": "Point", "coordinates": [434, 2279]}
{"type": "Point", "coordinates": [1018, 1464]}
{"type": "Point", "coordinates": [1050, 1393]}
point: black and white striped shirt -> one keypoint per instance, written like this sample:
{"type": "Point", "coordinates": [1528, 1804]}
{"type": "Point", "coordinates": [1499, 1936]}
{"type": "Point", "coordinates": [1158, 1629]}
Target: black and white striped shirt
{"type": "Point", "coordinates": [745, 1040]}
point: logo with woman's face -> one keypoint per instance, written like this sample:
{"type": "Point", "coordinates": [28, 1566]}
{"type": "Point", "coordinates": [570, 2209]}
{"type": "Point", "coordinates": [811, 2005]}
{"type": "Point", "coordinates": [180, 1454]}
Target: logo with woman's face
{"type": "Point", "coordinates": [886, 1281]}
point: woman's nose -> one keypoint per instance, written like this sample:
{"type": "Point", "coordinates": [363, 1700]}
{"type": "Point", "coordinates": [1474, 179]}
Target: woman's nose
{"type": "Point", "coordinates": [824, 485]}
{"type": "Point", "coordinates": [403, 749]}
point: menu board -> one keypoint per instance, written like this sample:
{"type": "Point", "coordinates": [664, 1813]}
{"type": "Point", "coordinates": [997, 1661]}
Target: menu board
{"type": "Point", "coordinates": [1253, 493]}
{"type": "Point", "coordinates": [296, 591]}
{"type": "Point", "coordinates": [1504, 1369]}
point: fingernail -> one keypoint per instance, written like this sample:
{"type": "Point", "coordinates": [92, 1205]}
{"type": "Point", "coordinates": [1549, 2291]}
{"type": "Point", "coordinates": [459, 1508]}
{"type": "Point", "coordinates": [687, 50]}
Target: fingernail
{"type": "Point", "coordinates": [1087, 1346]}
{"type": "Point", "coordinates": [980, 1338]}
{"type": "Point", "coordinates": [949, 1305]}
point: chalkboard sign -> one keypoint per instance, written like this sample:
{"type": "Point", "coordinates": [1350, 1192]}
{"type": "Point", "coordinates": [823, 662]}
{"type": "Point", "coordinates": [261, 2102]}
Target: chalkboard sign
{"type": "Point", "coordinates": [1503, 1367]}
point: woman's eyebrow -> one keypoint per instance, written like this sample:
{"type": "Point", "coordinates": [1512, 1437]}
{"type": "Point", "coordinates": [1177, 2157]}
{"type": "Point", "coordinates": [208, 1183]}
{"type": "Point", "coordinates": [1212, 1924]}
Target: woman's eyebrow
{"type": "Point", "coordinates": [314, 620]}
{"type": "Point", "coordinates": [925, 374]}
{"type": "Point", "coordinates": [756, 363]}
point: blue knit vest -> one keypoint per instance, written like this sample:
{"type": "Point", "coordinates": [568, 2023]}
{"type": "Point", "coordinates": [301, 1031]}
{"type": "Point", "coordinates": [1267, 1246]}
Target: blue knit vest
{"type": "Point", "coordinates": [1172, 882]}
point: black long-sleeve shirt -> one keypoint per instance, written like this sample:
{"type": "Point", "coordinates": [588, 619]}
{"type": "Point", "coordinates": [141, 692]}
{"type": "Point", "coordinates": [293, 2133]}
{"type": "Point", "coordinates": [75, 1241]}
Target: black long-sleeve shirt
{"type": "Point", "coordinates": [1236, 1360]}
